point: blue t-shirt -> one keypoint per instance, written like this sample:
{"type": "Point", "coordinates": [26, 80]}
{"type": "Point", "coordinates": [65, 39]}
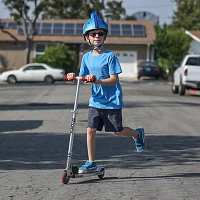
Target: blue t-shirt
{"type": "Point", "coordinates": [102, 66]}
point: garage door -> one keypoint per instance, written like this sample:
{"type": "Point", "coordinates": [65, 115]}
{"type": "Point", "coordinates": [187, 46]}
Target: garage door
{"type": "Point", "coordinates": [128, 61]}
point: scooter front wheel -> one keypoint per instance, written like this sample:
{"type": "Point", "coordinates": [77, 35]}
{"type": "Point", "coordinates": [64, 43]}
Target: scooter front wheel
{"type": "Point", "coordinates": [65, 178]}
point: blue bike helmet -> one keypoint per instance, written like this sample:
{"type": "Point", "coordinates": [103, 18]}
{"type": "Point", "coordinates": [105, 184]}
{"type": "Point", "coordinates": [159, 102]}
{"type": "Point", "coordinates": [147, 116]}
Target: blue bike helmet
{"type": "Point", "coordinates": [94, 23]}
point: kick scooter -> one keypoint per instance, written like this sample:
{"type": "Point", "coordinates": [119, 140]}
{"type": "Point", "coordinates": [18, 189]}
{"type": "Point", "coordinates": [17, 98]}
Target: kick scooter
{"type": "Point", "coordinates": [71, 170]}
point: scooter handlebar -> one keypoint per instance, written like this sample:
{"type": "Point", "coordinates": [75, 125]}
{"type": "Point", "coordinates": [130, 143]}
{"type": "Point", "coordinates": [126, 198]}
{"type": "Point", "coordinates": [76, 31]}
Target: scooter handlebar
{"type": "Point", "coordinates": [83, 78]}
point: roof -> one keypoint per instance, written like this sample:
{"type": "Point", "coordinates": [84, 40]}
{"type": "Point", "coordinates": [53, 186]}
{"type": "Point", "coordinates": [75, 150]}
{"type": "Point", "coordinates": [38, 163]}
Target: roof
{"type": "Point", "coordinates": [148, 38]}
{"type": "Point", "coordinates": [194, 35]}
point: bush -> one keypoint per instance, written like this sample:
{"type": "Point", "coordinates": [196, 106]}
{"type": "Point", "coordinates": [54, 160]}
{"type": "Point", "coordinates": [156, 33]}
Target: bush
{"type": "Point", "coordinates": [60, 56]}
{"type": "Point", "coordinates": [165, 65]}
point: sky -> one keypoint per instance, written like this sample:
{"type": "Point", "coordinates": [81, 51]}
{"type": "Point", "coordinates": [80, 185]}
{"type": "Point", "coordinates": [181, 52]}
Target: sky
{"type": "Point", "coordinates": [162, 8]}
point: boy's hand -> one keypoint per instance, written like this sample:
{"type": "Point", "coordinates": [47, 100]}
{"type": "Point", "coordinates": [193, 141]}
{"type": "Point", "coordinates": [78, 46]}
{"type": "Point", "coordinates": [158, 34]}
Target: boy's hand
{"type": "Point", "coordinates": [70, 76]}
{"type": "Point", "coordinates": [90, 78]}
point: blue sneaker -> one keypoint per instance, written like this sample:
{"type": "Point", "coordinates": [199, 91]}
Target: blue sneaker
{"type": "Point", "coordinates": [88, 167]}
{"type": "Point", "coordinates": [140, 141]}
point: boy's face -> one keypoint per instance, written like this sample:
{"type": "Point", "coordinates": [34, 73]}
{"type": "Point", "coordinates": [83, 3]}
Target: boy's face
{"type": "Point", "coordinates": [96, 37]}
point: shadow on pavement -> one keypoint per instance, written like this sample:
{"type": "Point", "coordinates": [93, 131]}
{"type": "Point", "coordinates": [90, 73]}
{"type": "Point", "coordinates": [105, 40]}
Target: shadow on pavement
{"type": "Point", "coordinates": [41, 106]}
{"type": "Point", "coordinates": [60, 106]}
{"type": "Point", "coordinates": [19, 125]}
{"type": "Point", "coordinates": [37, 151]}
{"type": "Point", "coordinates": [140, 178]}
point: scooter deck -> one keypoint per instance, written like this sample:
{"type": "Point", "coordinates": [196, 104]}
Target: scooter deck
{"type": "Point", "coordinates": [97, 172]}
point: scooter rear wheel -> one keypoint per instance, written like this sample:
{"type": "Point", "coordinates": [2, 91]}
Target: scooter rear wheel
{"type": "Point", "coordinates": [65, 178]}
{"type": "Point", "coordinates": [102, 175]}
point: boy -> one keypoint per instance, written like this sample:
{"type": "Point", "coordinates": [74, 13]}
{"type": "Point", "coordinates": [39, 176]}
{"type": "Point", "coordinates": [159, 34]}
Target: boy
{"type": "Point", "coordinates": [105, 104]}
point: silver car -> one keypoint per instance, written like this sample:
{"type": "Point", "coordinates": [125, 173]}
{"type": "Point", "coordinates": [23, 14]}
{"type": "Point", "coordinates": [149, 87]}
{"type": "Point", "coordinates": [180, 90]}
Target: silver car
{"type": "Point", "coordinates": [33, 72]}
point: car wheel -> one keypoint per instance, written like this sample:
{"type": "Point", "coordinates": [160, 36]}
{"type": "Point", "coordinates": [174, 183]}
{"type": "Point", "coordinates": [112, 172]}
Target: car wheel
{"type": "Point", "coordinates": [49, 79]}
{"type": "Point", "coordinates": [12, 79]}
{"type": "Point", "coordinates": [157, 77]}
{"type": "Point", "coordinates": [181, 89]}
{"type": "Point", "coordinates": [174, 89]}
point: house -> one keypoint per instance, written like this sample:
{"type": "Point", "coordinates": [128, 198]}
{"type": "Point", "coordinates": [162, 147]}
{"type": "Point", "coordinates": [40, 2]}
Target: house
{"type": "Point", "coordinates": [132, 41]}
{"type": "Point", "coordinates": [195, 43]}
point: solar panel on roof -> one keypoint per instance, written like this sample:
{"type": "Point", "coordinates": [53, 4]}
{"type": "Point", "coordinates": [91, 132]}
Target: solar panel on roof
{"type": "Point", "coordinates": [79, 29]}
{"type": "Point", "coordinates": [126, 30]}
{"type": "Point", "coordinates": [69, 29]}
{"type": "Point", "coordinates": [47, 25]}
{"type": "Point", "coordinates": [58, 25]}
{"type": "Point", "coordinates": [37, 25]}
{"type": "Point", "coordinates": [45, 31]}
{"type": "Point", "coordinates": [28, 27]}
{"type": "Point", "coordinates": [38, 28]}
{"type": "Point", "coordinates": [138, 30]}
{"type": "Point", "coordinates": [3, 24]}
{"type": "Point", "coordinates": [12, 25]}
{"type": "Point", "coordinates": [20, 29]}
{"type": "Point", "coordinates": [57, 32]}
{"type": "Point", "coordinates": [57, 28]}
{"type": "Point", "coordinates": [115, 30]}
{"type": "Point", "coordinates": [46, 28]}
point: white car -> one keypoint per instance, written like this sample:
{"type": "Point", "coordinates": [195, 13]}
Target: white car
{"type": "Point", "coordinates": [187, 75]}
{"type": "Point", "coordinates": [33, 72]}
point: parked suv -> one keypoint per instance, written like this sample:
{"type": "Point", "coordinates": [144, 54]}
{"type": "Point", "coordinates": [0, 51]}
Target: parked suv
{"type": "Point", "coordinates": [187, 75]}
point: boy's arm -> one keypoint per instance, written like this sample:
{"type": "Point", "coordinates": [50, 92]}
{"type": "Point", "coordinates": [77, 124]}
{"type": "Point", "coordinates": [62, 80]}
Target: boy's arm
{"type": "Point", "coordinates": [113, 80]}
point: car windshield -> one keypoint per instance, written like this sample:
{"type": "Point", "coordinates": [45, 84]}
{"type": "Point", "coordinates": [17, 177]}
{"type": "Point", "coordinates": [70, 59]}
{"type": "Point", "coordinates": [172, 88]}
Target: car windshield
{"type": "Point", "coordinates": [148, 64]}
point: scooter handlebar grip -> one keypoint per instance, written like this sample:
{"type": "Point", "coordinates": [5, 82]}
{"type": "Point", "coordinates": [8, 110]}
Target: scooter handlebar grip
{"type": "Point", "coordinates": [66, 79]}
{"type": "Point", "coordinates": [92, 80]}
{"type": "Point", "coordinates": [79, 77]}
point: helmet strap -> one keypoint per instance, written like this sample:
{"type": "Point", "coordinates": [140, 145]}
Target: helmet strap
{"type": "Point", "coordinates": [96, 48]}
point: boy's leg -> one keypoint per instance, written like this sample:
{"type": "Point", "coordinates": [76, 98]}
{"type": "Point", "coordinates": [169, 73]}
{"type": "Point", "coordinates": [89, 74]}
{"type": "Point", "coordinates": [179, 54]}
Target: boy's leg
{"type": "Point", "coordinates": [91, 143]}
{"type": "Point", "coordinates": [95, 122]}
{"type": "Point", "coordinates": [138, 136]}
{"type": "Point", "coordinates": [113, 122]}
{"type": "Point", "coordinates": [128, 132]}
{"type": "Point", "coordinates": [90, 165]}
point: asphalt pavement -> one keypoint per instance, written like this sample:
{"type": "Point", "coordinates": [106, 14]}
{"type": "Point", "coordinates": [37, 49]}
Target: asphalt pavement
{"type": "Point", "coordinates": [34, 136]}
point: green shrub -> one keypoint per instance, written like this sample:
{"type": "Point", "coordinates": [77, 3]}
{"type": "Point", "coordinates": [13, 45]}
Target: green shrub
{"type": "Point", "coordinates": [59, 56]}
{"type": "Point", "coordinates": [165, 64]}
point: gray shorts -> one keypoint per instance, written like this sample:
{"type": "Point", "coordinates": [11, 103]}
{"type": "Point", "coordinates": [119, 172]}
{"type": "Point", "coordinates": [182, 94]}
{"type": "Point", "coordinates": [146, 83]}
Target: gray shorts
{"type": "Point", "coordinates": [111, 119]}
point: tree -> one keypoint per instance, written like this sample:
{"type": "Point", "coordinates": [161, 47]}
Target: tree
{"type": "Point", "coordinates": [19, 10]}
{"type": "Point", "coordinates": [7, 32]}
{"type": "Point", "coordinates": [170, 46]}
{"type": "Point", "coordinates": [187, 15]}
{"type": "Point", "coordinates": [71, 9]}
{"type": "Point", "coordinates": [76, 9]}
{"type": "Point", "coordinates": [114, 10]}
{"type": "Point", "coordinates": [59, 56]}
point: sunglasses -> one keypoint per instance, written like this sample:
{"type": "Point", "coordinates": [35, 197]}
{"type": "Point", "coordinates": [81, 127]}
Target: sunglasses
{"type": "Point", "coordinates": [100, 34]}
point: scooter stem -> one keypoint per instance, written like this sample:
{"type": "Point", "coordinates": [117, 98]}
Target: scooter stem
{"type": "Point", "coordinates": [74, 112]}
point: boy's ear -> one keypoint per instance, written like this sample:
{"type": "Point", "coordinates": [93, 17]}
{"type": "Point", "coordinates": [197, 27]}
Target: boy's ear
{"type": "Point", "coordinates": [87, 38]}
